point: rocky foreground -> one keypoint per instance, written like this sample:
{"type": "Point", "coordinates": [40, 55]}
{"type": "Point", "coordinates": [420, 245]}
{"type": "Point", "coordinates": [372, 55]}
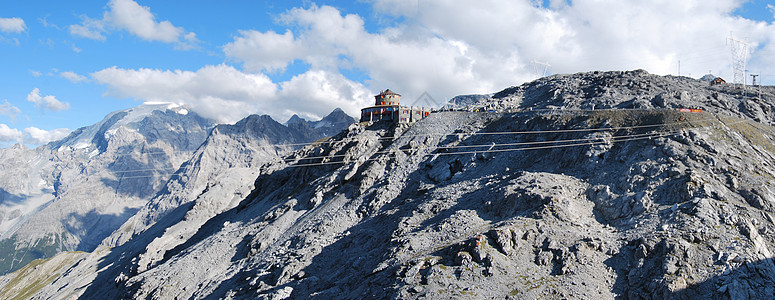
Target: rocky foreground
{"type": "Point", "coordinates": [590, 186]}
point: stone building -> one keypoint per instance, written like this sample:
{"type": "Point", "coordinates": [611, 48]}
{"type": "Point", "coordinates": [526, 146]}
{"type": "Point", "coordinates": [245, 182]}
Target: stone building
{"type": "Point", "coordinates": [387, 107]}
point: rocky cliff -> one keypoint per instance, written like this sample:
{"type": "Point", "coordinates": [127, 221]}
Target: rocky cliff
{"type": "Point", "coordinates": [589, 185]}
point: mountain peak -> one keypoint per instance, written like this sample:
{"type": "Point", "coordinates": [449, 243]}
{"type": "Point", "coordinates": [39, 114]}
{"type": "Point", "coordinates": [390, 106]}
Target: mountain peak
{"type": "Point", "coordinates": [295, 119]}
{"type": "Point", "coordinates": [135, 118]}
{"type": "Point", "coordinates": [336, 114]}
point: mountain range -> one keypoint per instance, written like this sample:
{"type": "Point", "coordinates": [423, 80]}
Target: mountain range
{"type": "Point", "coordinates": [69, 195]}
{"type": "Point", "coordinates": [590, 185]}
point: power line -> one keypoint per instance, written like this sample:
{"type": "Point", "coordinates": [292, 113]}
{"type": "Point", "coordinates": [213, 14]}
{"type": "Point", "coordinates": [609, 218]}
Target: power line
{"type": "Point", "coordinates": [491, 145]}
{"type": "Point", "coordinates": [585, 141]}
{"type": "Point", "coordinates": [445, 134]}
{"type": "Point", "coordinates": [616, 139]}
{"type": "Point", "coordinates": [506, 150]}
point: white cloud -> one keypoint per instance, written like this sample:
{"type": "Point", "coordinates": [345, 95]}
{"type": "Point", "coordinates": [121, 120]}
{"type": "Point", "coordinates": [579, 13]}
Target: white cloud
{"type": "Point", "coordinates": [8, 110]}
{"type": "Point", "coordinates": [264, 51]}
{"type": "Point", "coordinates": [453, 47]}
{"type": "Point", "coordinates": [8, 134]}
{"type": "Point", "coordinates": [227, 95]}
{"type": "Point", "coordinates": [44, 21]}
{"type": "Point", "coordinates": [441, 47]}
{"type": "Point", "coordinates": [48, 102]}
{"type": "Point", "coordinates": [316, 93]}
{"type": "Point", "coordinates": [73, 77]}
{"type": "Point", "coordinates": [220, 92]}
{"type": "Point", "coordinates": [12, 25]}
{"type": "Point", "coordinates": [89, 28]}
{"type": "Point", "coordinates": [38, 136]}
{"type": "Point", "coordinates": [137, 20]}
{"type": "Point", "coordinates": [772, 9]}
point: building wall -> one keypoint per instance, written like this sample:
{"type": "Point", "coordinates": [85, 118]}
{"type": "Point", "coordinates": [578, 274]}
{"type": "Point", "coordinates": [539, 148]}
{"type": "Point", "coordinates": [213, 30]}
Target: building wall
{"type": "Point", "coordinates": [395, 113]}
{"type": "Point", "coordinates": [412, 114]}
{"type": "Point", "coordinates": [379, 113]}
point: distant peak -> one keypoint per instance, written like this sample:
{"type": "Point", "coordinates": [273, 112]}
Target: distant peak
{"type": "Point", "coordinates": [295, 119]}
{"type": "Point", "coordinates": [336, 112]}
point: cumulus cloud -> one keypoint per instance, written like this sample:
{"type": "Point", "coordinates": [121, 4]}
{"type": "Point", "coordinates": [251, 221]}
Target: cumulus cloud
{"type": "Point", "coordinates": [315, 93]}
{"type": "Point", "coordinates": [220, 92]}
{"type": "Point", "coordinates": [227, 95]}
{"type": "Point", "coordinates": [39, 136]}
{"type": "Point", "coordinates": [9, 135]}
{"type": "Point", "coordinates": [73, 77]}
{"type": "Point", "coordinates": [30, 135]}
{"type": "Point", "coordinates": [137, 20]}
{"type": "Point", "coordinates": [8, 110]}
{"type": "Point", "coordinates": [264, 50]}
{"type": "Point", "coordinates": [483, 49]}
{"type": "Point", "coordinates": [12, 25]}
{"type": "Point", "coordinates": [443, 48]}
{"type": "Point", "coordinates": [48, 102]}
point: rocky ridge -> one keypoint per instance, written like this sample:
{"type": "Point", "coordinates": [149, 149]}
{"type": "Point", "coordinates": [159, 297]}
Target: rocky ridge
{"type": "Point", "coordinates": [589, 185]}
{"type": "Point", "coordinates": [71, 194]}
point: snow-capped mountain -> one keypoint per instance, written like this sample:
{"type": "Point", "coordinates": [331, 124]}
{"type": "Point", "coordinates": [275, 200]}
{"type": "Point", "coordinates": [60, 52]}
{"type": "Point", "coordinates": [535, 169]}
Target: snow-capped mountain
{"type": "Point", "coordinates": [71, 194]}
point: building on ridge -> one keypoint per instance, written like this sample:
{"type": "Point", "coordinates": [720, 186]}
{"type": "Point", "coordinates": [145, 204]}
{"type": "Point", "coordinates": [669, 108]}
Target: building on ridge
{"type": "Point", "coordinates": [387, 107]}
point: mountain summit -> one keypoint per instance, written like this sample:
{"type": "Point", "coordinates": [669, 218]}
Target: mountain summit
{"type": "Point", "coordinates": [591, 185]}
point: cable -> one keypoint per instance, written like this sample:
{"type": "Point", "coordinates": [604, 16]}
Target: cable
{"type": "Point", "coordinates": [617, 139]}
{"type": "Point", "coordinates": [475, 133]}
{"type": "Point", "coordinates": [503, 150]}
{"type": "Point", "coordinates": [585, 141]}
{"type": "Point", "coordinates": [602, 141]}
{"type": "Point", "coordinates": [491, 145]}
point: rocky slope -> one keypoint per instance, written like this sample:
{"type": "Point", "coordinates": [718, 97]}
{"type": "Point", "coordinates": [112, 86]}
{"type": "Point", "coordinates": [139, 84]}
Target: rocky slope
{"type": "Point", "coordinates": [71, 194]}
{"type": "Point", "coordinates": [542, 198]}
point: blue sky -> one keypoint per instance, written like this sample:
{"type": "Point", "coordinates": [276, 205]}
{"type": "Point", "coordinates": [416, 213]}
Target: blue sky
{"type": "Point", "coordinates": [66, 64]}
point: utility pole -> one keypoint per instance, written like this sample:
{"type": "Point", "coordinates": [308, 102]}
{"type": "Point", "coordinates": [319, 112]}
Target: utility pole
{"type": "Point", "coordinates": [757, 85]}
